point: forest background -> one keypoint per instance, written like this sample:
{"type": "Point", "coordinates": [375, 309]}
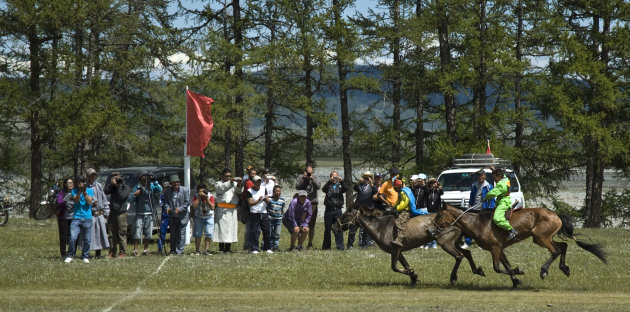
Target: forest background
{"type": "Point", "coordinates": [407, 84]}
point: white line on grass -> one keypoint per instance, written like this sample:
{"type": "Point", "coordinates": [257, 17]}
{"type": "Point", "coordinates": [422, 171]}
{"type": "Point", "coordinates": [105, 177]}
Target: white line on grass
{"type": "Point", "coordinates": [138, 290]}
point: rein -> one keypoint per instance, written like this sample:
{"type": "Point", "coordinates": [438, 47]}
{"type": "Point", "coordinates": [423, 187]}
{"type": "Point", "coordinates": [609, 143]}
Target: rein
{"type": "Point", "coordinates": [439, 228]}
{"type": "Point", "coordinates": [349, 223]}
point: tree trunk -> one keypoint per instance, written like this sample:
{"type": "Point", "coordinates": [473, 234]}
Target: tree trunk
{"type": "Point", "coordinates": [445, 68]}
{"type": "Point", "coordinates": [480, 89]}
{"type": "Point", "coordinates": [397, 84]}
{"type": "Point", "coordinates": [342, 71]}
{"type": "Point", "coordinates": [518, 130]}
{"type": "Point", "coordinates": [419, 134]}
{"type": "Point", "coordinates": [239, 156]}
{"type": "Point", "coordinates": [34, 121]}
{"type": "Point", "coordinates": [310, 122]}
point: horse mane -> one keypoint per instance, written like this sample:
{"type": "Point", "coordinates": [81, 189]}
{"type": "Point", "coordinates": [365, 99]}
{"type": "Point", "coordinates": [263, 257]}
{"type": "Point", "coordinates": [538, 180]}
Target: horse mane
{"type": "Point", "coordinates": [369, 212]}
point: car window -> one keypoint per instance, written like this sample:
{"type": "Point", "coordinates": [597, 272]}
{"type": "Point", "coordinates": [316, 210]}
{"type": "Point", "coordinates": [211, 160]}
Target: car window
{"type": "Point", "coordinates": [457, 181]}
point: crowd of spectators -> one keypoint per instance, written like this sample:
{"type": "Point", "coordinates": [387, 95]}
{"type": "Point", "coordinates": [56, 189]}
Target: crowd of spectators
{"type": "Point", "coordinates": [94, 217]}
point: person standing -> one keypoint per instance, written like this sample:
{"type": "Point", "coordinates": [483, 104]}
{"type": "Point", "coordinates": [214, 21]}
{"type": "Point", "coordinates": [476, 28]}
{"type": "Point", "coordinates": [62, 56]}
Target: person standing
{"type": "Point", "coordinates": [164, 221]}
{"type": "Point", "coordinates": [365, 193]}
{"type": "Point", "coordinates": [142, 199]}
{"type": "Point", "coordinates": [100, 213]}
{"type": "Point", "coordinates": [275, 210]}
{"type": "Point", "coordinates": [257, 199]}
{"type": "Point", "coordinates": [203, 207]}
{"type": "Point", "coordinates": [228, 190]}
{"type": "Point", "coordinates": [176, 203]}
{"type": "Point", "coordinates": [81, 223]}
{"type": "Point", "coordinates": [64, 214]}
{"type": "Point", "coordinates": [268, 181]}
{"type": "Point", "coordinates": [118, 192]}
{"type": "Point", "coordinates": [296, 219]}
{"type": "Point", "coordinates": [243, 213]}
{"type": "Point", "coordinates": [309, 182]}
{"type": "Point", "coordinates": [378, 181]}
{"type": "Point", "coordinates": [334, 200]}
{"type": "Point", "coordinates": [434, 202]}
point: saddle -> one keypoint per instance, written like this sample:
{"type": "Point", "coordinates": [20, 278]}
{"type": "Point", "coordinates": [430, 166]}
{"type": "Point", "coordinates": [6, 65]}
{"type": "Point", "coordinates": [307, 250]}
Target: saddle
{"type": "Point", "coordinates": [516, 206]}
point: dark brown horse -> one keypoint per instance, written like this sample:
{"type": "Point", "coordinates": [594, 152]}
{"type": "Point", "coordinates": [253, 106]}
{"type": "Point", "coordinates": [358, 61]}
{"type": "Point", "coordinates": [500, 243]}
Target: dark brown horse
{"type": "Point", "coordinates": [381, 228]}
{"type": "Point", "coordinates": [542, 224]}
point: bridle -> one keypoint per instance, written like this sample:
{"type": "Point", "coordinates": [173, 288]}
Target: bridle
{"type": "Point", "coordinates": [440, 228]}
{"type": "Point", "coordinates": [348, 223]}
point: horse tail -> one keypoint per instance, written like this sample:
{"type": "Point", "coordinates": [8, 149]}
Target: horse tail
{"type": "Point", "coordinates": [567, 231]}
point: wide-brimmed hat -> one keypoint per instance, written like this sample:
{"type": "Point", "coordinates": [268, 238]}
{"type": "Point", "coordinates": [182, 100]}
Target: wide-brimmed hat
{"type": "Point", "coordinates": [367, 174]}
{"type": "Point", "coordinates": [174, 178]}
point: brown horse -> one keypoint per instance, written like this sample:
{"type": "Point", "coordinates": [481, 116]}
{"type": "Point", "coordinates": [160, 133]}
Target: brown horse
{"type": "Point", "coordinates": [542, 224]}
{"type": "Point", "coordinates": [381, 229]}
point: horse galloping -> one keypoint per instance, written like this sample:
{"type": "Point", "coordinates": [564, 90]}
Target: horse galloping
{"type": "Point", "coordinates": [542, 224]}
{"type": "Point", "coordinates": [381, 229]}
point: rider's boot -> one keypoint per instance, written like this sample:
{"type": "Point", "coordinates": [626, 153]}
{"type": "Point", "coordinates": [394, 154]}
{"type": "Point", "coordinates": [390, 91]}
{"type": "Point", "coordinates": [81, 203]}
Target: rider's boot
{"type": "Point", "coordinates": [512, 234]}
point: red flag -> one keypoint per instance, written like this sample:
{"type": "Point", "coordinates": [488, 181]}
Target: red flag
{"type": "Point", "coordinates": [198, 124]}
{"type": "Point", "coordinates": [488, 149]}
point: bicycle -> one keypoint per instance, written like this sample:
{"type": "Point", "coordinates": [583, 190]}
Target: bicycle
{"type": "Point", "coordinates": [46, 207]}
{"type": "Point", "coordinates": [5, 208]}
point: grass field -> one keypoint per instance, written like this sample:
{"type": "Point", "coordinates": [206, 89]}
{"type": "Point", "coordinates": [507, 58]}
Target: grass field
{"type": "Point", "coordinates": [34, 278]}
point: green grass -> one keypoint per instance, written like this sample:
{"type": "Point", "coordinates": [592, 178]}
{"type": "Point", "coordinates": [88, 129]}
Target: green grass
{"type": "Point", "coordinates": [33, 277]}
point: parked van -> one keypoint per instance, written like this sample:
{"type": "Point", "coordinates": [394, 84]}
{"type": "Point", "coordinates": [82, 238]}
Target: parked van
{"type": "Point", "coordinates": [131, 176]}
{"type": "Point", "coordinates": [457, 180]}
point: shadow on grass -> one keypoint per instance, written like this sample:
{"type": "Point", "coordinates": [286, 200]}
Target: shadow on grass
{"type": "Point", "coordinates": [458, 286]}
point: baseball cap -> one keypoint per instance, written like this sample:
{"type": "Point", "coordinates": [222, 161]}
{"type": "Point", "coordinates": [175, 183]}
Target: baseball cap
{"type": "Point", "coordinates": [398, 182]}
{"type": "Point", "coordinates": [90, 171]}
{"type": "Point", "coordinates": [256, 178]}
{"type": "Point", "coordinates": [422, 176]}
{"type": "Point", "coordinates": [414, 177]}
{"type": "Point", "coordinates": [302, 193]}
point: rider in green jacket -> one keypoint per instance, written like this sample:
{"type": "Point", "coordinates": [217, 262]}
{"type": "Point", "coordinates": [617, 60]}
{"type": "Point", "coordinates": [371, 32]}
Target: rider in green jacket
{"type": "Point", "coordinates": [502, 193]}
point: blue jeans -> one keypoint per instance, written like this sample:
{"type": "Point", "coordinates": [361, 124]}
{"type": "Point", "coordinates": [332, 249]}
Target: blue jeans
{"type": "Point", "coordinates": [330, 217]}
{"type": "Point", "coordinates": [163, 230]}
{"type": "Point", "coordinates": [258, 222]}
{"type": "Point", "coordinates": [84, 227]}
{"type": "Point", "coordinates": [276, 228]}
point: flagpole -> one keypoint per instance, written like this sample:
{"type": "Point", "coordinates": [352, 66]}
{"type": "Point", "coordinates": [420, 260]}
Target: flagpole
{"type": "Point", "coordinates": [187, 170]}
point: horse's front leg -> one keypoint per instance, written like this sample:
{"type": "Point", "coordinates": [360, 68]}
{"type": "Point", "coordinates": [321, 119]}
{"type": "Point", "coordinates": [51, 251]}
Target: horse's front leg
{"type": "Point", "coordinates": [410, 271]}
{"type": "Point", "coordinates": [508, 266]}
{"type": "Point", "coordinates": [496, 264]}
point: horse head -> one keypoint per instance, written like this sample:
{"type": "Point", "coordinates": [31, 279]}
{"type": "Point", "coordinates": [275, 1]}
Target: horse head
{"type": "Point", "coordinates": [348, 218]}
{"type": "Point", "coordinates": [445, 217]}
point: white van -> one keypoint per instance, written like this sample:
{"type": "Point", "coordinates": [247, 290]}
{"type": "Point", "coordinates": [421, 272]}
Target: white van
{"type": "Point", "coordinates": [457, 181]}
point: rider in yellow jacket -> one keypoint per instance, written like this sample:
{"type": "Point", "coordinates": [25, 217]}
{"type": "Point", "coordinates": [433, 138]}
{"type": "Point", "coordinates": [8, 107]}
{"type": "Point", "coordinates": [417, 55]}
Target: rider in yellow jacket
{"type": "Point", "coordinates": [502, 193]}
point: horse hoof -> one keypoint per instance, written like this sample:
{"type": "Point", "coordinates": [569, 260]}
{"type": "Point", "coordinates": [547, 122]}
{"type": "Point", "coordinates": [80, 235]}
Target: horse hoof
{"type": "Point", "coordinates": [518, 271]}
{"type": "Point", "coordinates": [515, 283]}
{"type": "Point", "coordinates": [453, 282]}
{"type": "Point", "coordinates": [414, 279]}
{"type": "Point", "coordinates": [480, 272]}
{"type": "Point", "coordinates": [566, 271]}
{"type": "Point", "coordinates": [543, 274]}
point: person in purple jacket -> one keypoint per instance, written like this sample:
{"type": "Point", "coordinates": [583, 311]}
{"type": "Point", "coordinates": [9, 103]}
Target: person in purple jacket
{"type": "Point", "coordinates": [296, 219]}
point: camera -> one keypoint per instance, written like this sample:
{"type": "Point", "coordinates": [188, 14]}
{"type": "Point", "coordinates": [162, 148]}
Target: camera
{"type": "Point", "coordinates": [308, 174]}
{"type": "Point", "coordinates": [118, 180]}
{"type": "Point", "coordinates": [152, 178]}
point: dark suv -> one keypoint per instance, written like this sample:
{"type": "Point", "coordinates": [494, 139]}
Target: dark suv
{"type": "Point", "coordinates": [131, 176]}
